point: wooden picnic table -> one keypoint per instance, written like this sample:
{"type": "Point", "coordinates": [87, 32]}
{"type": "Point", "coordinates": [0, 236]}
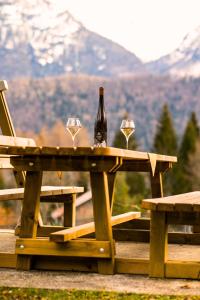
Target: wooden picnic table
{"type": "Point", "coordinates": [103, 165]}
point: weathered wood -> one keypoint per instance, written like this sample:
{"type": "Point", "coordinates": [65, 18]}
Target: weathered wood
{"type": "Point", "coordinates": [78, 231]}
{"type": "Point", "coordinates": [79, 248]}
{"type": "Point", "coordinates": [158, 244]}
{"type": "Point", "coordinates": [8, 260]}
{"type": "Point", "coordinates": [183, 269]}
{"type": "Point", "coordinates": [132, 266]}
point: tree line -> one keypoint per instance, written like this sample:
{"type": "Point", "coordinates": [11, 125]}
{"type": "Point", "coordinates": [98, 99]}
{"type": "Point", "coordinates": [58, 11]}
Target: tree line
{"type": "Point", "coordinates": [183, 177]}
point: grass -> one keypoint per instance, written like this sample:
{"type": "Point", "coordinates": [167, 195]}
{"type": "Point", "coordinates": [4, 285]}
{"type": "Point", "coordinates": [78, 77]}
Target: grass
{"type": "Point", "coordinates": [47, 294]}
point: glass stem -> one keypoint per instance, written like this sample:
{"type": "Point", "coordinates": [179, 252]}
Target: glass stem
{"type": "Point", "coordinates": [127, 143]}
{"type": "Point", "coordinates": [73, 141]}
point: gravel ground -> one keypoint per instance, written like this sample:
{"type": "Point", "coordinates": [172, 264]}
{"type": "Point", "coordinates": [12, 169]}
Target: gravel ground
{"type": "Point", "coordinates": [91, 281]}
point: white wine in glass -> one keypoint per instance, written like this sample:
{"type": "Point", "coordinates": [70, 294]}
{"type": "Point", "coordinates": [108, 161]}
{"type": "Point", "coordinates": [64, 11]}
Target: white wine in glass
{"type": "Point", "coordinates": [73, 126]}
{"type": "Point", "coordinates": [127, 128]}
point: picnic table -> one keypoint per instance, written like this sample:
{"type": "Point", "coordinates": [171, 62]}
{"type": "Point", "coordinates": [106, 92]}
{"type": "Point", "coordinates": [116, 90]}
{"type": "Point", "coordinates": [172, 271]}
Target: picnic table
{"type": "Point", "coordinates": [72, 242]}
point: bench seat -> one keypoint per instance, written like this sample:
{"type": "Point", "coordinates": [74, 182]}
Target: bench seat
{"type": "Point", "coordinates": [181, 209]}
{"type": "Point", "coordinates": [187, 202]}
{"type": "Point", "coordinates": [47, 193]}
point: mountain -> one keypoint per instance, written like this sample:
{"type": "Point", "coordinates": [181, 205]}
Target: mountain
{"type": "Point", "coordinates": [37, 39]}
{"type": "Point", "coordinates": [184, 61]}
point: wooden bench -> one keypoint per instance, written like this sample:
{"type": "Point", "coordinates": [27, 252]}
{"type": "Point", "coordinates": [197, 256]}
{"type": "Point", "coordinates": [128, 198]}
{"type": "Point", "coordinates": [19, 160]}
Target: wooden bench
{"type": "Point", "coordinates": [181, 209]}
{"type": "Point", "coordinates": [63, 194]}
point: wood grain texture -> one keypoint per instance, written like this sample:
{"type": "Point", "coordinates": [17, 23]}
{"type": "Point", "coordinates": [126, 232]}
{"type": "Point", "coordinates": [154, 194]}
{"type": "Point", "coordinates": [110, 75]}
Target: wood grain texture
{"type": "Point", "coordinates": [158, 244]}
{"type": "Point", "coordinates": [78, 231]}
{"type": "Point", "coordinates": [188, 202]}
{"type": "Point", "coordinates": [76, 248]}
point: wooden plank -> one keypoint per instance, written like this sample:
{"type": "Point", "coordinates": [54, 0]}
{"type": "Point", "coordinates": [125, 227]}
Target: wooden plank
{"type": "Point", "coordinates": [90, 151]}
{"type": "Point", "coordinates": [76, 248]}
{"type": "Point", "coordinates": [8, 260]}
{"type": "Point", "coordinates": [77, 231]}
{"type": "Point", "coordinates": [48, 193]}
{"type": "Point", "coordinates": [62, 163]}
{"type": "Point", "coordinates": [181, 202]}
{"type": "Point", "coordinates": [183, 269]}
{"type": "Point", "coordinates": [132, 266]}
{"type": "Point", "coordinates": [158, 244]}
{"type": "Point", "coordinates": [16, 141]}
{"type": "Point", "coordinates": [81, 264]}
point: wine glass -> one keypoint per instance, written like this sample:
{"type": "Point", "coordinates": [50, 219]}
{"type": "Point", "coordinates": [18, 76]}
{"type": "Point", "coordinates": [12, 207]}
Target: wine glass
{"type": "Point", "coordinates": [73, 126]}
{"type": "Point", "coordinates": [127, 128]}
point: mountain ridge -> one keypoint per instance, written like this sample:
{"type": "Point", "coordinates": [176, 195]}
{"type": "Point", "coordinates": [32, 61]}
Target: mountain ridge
{"type": "Point", "coordinates": [183, 61]}
{"type": "Point", "coordinates": [38, 40]}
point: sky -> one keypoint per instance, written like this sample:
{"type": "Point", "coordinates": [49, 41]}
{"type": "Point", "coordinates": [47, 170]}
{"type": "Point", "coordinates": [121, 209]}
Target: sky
{"type": "Point", "coordinates": [148, 28]}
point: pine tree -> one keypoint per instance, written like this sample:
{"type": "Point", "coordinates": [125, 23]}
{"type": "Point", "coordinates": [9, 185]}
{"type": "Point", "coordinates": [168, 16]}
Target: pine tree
{"type": "Point", "coordinates": [187, 149]}
{"type": "Point", "coordinates": [165, 142]}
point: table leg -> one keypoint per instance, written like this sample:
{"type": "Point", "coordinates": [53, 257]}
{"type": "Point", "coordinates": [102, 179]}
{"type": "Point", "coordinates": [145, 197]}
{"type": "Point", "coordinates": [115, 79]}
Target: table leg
{"type": "Point", "coordinates": [158, 244]}
{"type": "Point", "coordinates": [156, 185]}
{"type": "Point", "coordinates": [111, 186]}
{"type": "Point", "coordinates": [70, 211]}
{"type": "Point", "coordinates": [30, 213]}
{"type": "Point", "coordinates": [102, 218]}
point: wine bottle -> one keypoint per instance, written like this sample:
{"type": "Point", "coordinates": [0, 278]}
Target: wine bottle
{"type": "Point", "coordinates": [100, 127]}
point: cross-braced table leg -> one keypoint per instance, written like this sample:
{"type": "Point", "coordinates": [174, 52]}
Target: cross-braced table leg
{"type": "Point", "coordinates": [30, 214]}
{"type": "Point", "coordinates": [102, 218]}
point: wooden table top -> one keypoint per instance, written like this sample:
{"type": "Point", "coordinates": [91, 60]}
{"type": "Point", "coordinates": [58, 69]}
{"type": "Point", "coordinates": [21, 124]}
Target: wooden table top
{"type": "Point", "coordinates": [85, 151]}
{"type": "Point", "coordinates": [187, 202]}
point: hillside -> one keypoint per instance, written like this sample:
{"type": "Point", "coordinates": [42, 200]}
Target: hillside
{"type": "Point", "coordinates": [35, 103]}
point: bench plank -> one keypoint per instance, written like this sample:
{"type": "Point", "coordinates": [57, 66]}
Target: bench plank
{"type": "Point", "coordinates": [16, 141]}
{"type": "Point", "coordinates": [183, 202]}
{"type": "Point", "coordinates": [18, 193]}
{"type": "Point", "coordinates": [77, 231]}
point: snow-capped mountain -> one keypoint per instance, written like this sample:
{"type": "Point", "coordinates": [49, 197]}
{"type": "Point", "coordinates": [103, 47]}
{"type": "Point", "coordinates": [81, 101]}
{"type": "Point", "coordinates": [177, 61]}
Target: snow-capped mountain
{"type": "Point", "coordinates": [37, 39]}
{"type": "Point", "coordinates": [184, 61]}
